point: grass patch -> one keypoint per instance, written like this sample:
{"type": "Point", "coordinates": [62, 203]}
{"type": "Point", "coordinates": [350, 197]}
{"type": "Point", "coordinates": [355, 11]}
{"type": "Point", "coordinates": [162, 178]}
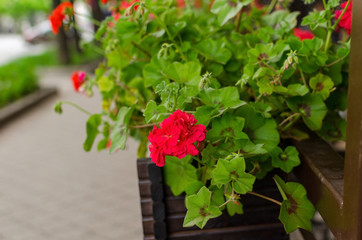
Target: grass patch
{"type": "Point", "coordinates": [18, 78]}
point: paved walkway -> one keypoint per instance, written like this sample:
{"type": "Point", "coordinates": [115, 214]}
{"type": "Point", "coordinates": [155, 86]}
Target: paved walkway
{"type": "Point", "coordinates": [50, 189]}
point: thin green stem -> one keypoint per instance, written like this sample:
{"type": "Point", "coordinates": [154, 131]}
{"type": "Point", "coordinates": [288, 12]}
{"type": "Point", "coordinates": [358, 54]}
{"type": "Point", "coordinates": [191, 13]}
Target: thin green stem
{"type": "Point", "coordinates": [145, 125]}
{"type": "Point", "coordinates": [238, 19]}
{"type": "Point", "coordinates": [337, 61]}
{"type": "Point", "coordinates": [329, 35]}
{"type": "Point", "coordinates": [340, 17]}
{"type": "Point", "coordinates": [271, 6]}
{"type": "Point", "coordinates": [141, 49]}
{"type": "Point", "coordinates": [288, 119]}
{"type": "Point", "coordinates": [77, 107]}
{"type": "Point", "coordinates": [291, 123]}
{"type": "Point", "coordinates": [265, 197]}
{"type": "Point", "coordinates": [303, 78]}
{"type": "Point", "coordinates": [94, 21]}
{"type": "Point", "coordinates": [328, 39]}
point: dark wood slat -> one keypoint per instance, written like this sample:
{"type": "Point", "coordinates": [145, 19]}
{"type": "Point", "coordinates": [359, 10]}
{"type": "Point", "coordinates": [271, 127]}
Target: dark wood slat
{"type": "Point", "coordinates": [149, 237]}
{"type": "Point", "coordinates": [352, 228]}
{"type": "Point", "coordinates": [142, 168]}
{"type": "Point", "coordinates": [321, 172]}
{"type": "Point", "coordinates": [147, 223]}
{"type": "Point", "coordinates": [145, 188]}
{"type": "Point", "coordinates": [256, 232]}
{"type": "Point", "coordinates": [262, 215]}
{"type": "Point", "coordinates": [146, 207]}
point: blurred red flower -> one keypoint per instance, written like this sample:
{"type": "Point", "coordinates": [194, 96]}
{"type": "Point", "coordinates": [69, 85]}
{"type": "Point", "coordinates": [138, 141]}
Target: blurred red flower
{"type": "Point", "coordinates": [78, 78]}
{"type": "Point", "coordinates": [346, 20]}
{"type": "Point", "coordinates": [59, 14]}
{"type": "Point", "coordinates": [303, 34]}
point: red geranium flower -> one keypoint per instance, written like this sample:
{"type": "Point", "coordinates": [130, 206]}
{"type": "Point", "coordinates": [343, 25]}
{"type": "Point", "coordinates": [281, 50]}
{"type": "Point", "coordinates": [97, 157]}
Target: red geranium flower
{"type": "Point", "coordinates": [180, 3]}
{"type": "Point", "coordinates": [346, 20]}
{"type": "Point", "coordinates": [58, 15]}
{"type": "Point", "coordinates": [104, 1]}
{"type": "Point", "coordinates": [78, 80]}
{"type": "Point", "coordinates": [303, 34]}
{"type": "Point", "coordinates": [176, 137]}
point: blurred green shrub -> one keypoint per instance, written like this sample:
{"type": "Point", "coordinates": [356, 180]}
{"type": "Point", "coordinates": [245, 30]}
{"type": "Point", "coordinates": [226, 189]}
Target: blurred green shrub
{"type": "Point", "coordinates": [24, 8]}
{"type": "Point", "coordinates": [18, 77]}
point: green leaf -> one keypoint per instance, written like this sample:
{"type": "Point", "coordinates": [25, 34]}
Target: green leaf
{"type": "Point", "coordinates": [224, 98]}
{"type": "Point", "coordinates": [312, 108]}
{"type": "Point", "coordinates": [316, 19]}
{"type": "Point", "coordinates": [105, 84]}
{"type": "Point", "coordinates": [92, 131]}
{"type": "Point", "coordinates": [296, 210]}
{"type": "Point", "coordinates": [234, 206]}
{"type": "Point", "coordinates": [265, 87]}
{"type": "Point", "coordinates": [179, 173]}
{"type": "Point", "coordinates": [228, 127]}
{"type": "Point", "coordinates": [184, 72]}
{"type": "Point", "coordinates": [193, 187]}
{"type": "Point", "coordinates": [205, 114]}
{"type": "Point", "coordinates": [226, 9]}
{"type": "Point", "coordinates": [154, 113]}
{"type": "Point", "coordinates": [153, 72]}
{"type": "Point", "coordinates": [58, 107]}
{"type": "Point", "coordinates": [233, 171]}
{"type": "Point", "coordinates": [286, 160]}
{"type": "Point", "coordinates": [260, 130]}
{"type": "Point", "coordinates": [214, 50]}
{"type": "Point", "coordinates": [321, 84]}
{"type": "Point", "coordinates": [120, 129]}
{"type": "Point", "coordinates": [200, 209]}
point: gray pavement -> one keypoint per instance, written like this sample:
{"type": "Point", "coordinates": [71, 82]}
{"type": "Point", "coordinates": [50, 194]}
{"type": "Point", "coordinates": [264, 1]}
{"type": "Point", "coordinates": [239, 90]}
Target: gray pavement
{"type": "Point", "coordinates": [50, 189]}
{"type": "Point", "coordinates": [13, 46]}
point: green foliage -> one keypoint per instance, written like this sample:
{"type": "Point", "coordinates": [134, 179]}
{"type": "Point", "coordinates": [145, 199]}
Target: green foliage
{"type": "Point", "coordinates": [296, 210]}
{"type": "Point", "coordinates": [184, 170]}
{"type": "Point", "coordinates": [18, 77]}
{"type": "Point", "coordinates": [200, 209]}
{"type": "Point", "coordinates": [23, 8]}
{"type": "Point", "coordinates": [243, 74]}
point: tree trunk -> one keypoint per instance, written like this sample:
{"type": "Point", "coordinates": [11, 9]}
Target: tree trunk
{"type": "Point", "coordinates": [64, 56]}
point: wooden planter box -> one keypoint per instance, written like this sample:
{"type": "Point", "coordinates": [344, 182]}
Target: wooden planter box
{"type": "Point", "coordinates": [163, 213]}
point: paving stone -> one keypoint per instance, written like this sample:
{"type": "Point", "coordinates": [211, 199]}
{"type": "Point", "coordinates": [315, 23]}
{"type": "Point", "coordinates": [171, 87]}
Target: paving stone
{"type": "Point", "coordinates": [51, 189]}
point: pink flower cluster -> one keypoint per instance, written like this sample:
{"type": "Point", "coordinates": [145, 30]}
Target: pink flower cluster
{"type": "Point", "coordinates": [346, 20]}
{"type": "Point", "coordinates": [176, 137]}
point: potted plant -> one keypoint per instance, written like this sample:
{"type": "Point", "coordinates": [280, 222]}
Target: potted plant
{"type": "Point", "coordinates": [214, 90]}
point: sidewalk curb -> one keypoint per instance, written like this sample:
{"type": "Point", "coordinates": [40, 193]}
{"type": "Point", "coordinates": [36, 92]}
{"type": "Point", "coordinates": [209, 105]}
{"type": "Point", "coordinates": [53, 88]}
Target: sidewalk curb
{"type": "Point", "coordinates": [18, 107]}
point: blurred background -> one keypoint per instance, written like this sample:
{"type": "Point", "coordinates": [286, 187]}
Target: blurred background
{"type": "Point", "coordinates": [49, 187]}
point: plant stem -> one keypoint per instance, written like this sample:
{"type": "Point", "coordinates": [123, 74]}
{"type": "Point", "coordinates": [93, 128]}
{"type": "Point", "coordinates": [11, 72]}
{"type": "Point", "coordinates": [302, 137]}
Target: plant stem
{"type": "Point", "coordinates": [337, 61]}
{"type": "Point", "coordinates": [145, 125]}
{"type": "Point", "coordinates": [271, 6]}
{"type": "Point", "coordinates": [303, 78]}
{"type": "Point", "coordinates": [94, 21]}
{"type": "Point", "coordinates": [334, 27]}
{"type": "Point", "coordinates": [288, 119]}
{"type": "Point", "coordinates": [266, 198]}
{"type": "Point", "coordinates": [238, 19]}
{"type": "Point", "coordinates": [328, 39]}
{"type": "Point", "coordinates": [77, 107]}
{"type": "Point", "coordinates": [141, 49]}
{"type": "Point", "coordinates": [291, 123]}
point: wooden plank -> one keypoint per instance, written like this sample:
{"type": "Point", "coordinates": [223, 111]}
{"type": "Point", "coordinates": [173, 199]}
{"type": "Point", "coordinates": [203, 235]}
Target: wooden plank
{"type": "Point", "coordinates": [274, 231]}
{"type": "Point", "coordinates": [321, 172]}
{"type": "Point", "coordinates": [262, 215]}
{"type": "Point", "coordinates": [352, 228]}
